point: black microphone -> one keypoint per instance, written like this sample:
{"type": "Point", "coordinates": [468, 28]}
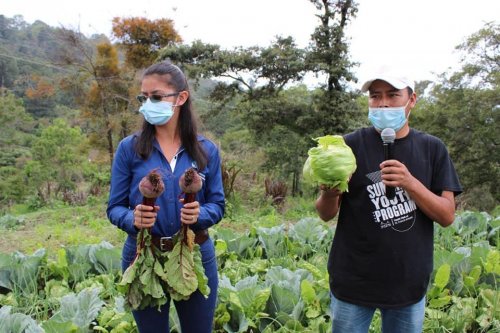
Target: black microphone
{"type": "Point", "coordinates": [388, 136]}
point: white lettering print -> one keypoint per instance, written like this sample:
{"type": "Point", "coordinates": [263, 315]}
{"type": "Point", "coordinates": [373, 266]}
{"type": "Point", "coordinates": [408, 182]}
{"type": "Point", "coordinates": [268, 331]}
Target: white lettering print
{"type": "Point", "coordinates": [397, 213]}
{"type": "Point", "coordinates": [375, 202]}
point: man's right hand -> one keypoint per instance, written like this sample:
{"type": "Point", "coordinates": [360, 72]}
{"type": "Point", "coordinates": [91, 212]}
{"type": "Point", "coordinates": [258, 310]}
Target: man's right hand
{"type": "Point", "coordinates": [329, 192]}
{"type": "Point", "coordinates": [327, 204]}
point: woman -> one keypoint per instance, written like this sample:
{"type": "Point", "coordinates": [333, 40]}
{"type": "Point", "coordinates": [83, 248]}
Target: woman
{"type": "Point", "coordinates": [168, 142]}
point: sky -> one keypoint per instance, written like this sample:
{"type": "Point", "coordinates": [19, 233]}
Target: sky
{"type": "Point", "coordinates": [414, 37]}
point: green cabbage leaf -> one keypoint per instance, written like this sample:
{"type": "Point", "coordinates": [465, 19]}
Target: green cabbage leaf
{"type": "Point", "coordinates": [330, 163]}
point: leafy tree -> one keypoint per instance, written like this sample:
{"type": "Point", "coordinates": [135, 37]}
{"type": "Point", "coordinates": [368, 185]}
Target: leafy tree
{"type": "Point", "coordinates": [335, 109]}
{"type": "Point", "coordinates": [462, 110]}
{"type": "Point", "coordinates": [8, 64]}
{"type": "Point", "coordinates": [329, 50]}
{"type": "Point", "coordinates": [480, 58]}
{"type": "Point", "coordinates": [16, 123]}
{"type": "Point", "coordinates": [257, 82]}
{"type": "Point", "coordinates": [255, 72]}
{"type": "Point", "coordinates": [108, 100]}
{"type": "Point", "coordinates": [15, 139]}
{"type": "Point", "coordinates": [105, 100]}
{"type": "Point", "coordinates": [6, 31]}
{"type": "Point", "coordinates": [255, 93]}
{"type": "Point", "coordinates": [27, 52]}
{"type": "Point", "coordinates": [8, 69]}
{"type": "Point", "coordinates": [12, 187]}
{"type": "Point", "coordinates": [143, 38]}
{"type": "Point", "coordinates": [57, 157]}
{"type": "Point", "coordinates": [286, 141]}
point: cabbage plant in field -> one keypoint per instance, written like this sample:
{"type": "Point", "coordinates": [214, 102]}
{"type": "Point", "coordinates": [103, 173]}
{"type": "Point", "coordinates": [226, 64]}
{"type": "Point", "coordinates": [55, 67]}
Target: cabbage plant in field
{"type": "Point", "coordinates": [283, 287]}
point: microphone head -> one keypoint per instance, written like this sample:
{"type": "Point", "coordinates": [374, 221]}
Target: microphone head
{"type": "Point", "coordinates": [388, 135]}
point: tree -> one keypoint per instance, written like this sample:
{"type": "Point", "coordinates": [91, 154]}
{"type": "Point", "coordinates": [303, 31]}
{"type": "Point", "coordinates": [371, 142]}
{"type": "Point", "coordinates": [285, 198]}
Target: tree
{"type": "Point", "coordinates": [481, 58]}
{"type": "Point", "coordinates": [329, 52]}
{"type": "Point", "coordinates": [462, 110]}
{"type": "Point", "coordinates": [256, 91]}
{"type": "Point", "coordinates": [257, 82]}
{"type": "Point", "coordinates": [15, 139]}
{"type": "Point", "coordinates": [17, 128]}
{"type": "Point", "coordinates": [328, 55]}
{"type": "Point", "coordinates": [8, 68]}
{"type": "Point", "coordinates": [143, 38]}
{"type": "Point", "coordinates": [106, 102]}
{"type": "Point", "coordinates": [255, 72]}
{"type": "Point", "coordinates": [8, 63]}
{"type": "Point", "coordinates": [13, 118]}
{"type": "Point", "coordinates": [58, 154]}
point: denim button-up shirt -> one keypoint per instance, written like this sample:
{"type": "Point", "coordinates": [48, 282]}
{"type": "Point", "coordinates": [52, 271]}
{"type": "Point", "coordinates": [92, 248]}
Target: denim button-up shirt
{"type": "Point", "coordinates": [128, 170]}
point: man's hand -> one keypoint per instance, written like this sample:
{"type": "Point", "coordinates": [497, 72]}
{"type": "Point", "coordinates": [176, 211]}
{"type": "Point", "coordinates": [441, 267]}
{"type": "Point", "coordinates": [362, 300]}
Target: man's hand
{"type": "Point", "coordinates": [327, 204]}
{"type": "Point", "coordinates": [395, 174]}
{"type": "Point", "coordinates": [329, 192]}
{"type": "Point", "coordinates": [438, 207]}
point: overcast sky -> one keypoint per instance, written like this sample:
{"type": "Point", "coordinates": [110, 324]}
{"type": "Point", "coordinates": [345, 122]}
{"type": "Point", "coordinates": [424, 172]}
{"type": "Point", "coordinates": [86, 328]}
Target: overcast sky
{"type": "Point", "coordinates": [414, 36]}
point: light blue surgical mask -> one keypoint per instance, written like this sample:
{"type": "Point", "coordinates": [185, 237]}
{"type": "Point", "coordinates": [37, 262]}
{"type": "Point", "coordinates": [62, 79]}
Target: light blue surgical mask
{"type": "Point", "coordinates": [157, 113]}
{"type": "Point", "coordinates": [394, 117]}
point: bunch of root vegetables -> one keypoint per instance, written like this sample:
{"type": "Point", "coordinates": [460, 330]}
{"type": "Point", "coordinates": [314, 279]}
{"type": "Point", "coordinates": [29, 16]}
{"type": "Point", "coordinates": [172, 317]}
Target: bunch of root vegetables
{"type": "Point", "coordinates": [153, 274]}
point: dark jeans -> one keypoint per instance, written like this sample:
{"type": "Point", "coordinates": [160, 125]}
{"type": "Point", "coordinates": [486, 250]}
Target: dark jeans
{"type": "Point", "coordinates": [196, 314]}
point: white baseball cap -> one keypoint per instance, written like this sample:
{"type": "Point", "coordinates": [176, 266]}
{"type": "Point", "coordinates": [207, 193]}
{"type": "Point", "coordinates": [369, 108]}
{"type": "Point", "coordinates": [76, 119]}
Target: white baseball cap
{"type": "Point", "coordinates": [398, 82]}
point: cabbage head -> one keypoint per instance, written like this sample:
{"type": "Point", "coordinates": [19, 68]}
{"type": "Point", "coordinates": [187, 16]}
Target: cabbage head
{"type": "Point", "coordinates": [331, 163]}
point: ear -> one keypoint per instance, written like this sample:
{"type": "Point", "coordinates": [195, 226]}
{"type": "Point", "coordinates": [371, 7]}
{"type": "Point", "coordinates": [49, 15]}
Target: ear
{"type": "Point", "coordinates": [413, 100]}
{"type": "Point", "coordinates": [183, 97]}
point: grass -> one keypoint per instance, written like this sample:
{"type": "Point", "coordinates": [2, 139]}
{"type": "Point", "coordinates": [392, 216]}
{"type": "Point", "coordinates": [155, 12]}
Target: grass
{"type": "Point", "coordinates": [59, 227]}
{"type": "Point", "coordinates": [53, 228]}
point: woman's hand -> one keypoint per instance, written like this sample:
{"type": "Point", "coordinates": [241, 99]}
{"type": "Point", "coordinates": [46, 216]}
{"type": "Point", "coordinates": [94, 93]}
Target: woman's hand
{"type": "Point", "coordinates": [190, 212]}
{"type": "Point", "coordinates": [145, 216]}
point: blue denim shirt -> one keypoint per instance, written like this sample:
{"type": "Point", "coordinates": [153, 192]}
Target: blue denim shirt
{"type": "Point", "coordinates": [128, 170]}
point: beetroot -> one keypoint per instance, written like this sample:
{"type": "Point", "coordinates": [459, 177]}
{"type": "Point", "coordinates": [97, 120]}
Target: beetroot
{"type": "Point", "coordinates": [151, 187]}
{"type": "Point", "coordinates": [190, 183]}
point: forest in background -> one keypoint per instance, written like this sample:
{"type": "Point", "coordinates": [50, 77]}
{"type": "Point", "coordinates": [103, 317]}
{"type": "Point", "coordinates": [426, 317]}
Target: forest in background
{"type": "Point", "coordinates": [66, 100]}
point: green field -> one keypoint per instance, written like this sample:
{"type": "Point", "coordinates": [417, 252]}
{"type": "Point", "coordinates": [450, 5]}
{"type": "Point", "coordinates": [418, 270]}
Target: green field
{"type": "Point", "coordinates": [58, 263]}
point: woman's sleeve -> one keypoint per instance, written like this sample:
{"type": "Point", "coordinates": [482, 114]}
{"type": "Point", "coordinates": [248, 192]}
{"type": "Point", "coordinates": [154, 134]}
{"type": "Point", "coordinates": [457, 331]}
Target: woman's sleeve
{"type": "Point", "coordinates": [212, 210]}
{"type": "Point", "coordinates": [118, 211]}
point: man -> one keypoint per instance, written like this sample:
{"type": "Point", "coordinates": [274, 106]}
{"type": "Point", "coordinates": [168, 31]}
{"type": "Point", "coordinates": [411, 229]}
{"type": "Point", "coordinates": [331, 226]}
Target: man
{"type": "Point", "coordinates": [381, 255]}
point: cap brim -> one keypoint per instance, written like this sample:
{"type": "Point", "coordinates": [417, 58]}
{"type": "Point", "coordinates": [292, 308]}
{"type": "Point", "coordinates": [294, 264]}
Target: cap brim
{"type": "Point", "coordinates": [395, 82]}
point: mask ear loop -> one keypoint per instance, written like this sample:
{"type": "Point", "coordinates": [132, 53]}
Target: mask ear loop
{"type": "Point", "coordinates": [175, 105]}
{"type": "Point", "coordinates": [406, 105]}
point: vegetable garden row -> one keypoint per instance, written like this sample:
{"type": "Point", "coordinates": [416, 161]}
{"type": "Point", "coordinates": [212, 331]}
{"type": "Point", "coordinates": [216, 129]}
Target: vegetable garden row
{"type": "Point", "coordinates": [271, 280]}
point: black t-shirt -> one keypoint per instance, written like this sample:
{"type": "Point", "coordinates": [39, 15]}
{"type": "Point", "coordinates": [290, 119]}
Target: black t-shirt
{"type": "Point", "coordinates": [382, 251]}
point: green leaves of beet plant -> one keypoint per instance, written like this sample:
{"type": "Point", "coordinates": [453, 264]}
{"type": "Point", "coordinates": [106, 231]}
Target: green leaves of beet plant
{"type": "Point", "coordinates": [153, 275]}
{"type": "Point", "coordinates": [185, 272]}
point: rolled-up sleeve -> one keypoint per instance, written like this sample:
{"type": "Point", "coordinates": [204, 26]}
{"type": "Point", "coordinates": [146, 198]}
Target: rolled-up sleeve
{"type": "Point", "coordinates": [119, 211]}
{"type": "Point", "coordinates": [212, 210]}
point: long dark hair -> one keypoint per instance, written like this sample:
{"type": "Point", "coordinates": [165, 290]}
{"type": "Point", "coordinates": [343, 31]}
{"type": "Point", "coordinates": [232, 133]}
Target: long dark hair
{"type": "Point", "coordinates": [173, 77]}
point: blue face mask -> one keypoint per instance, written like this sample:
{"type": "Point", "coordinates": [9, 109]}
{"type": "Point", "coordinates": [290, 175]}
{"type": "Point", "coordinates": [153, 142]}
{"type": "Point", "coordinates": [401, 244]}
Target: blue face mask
{"type": "Point", "coordinates": [157, 113]}
{"type": "Point", "coordinates": [394, 118]}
